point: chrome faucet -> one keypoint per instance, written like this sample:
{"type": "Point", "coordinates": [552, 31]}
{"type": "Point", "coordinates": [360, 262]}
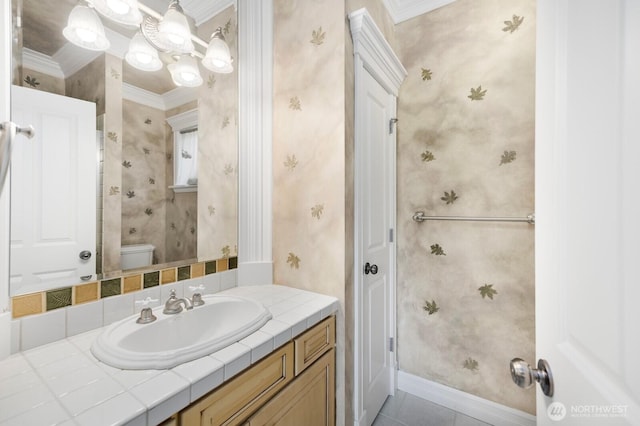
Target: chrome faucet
{"type": "Point", "coordinates": [172, 306]}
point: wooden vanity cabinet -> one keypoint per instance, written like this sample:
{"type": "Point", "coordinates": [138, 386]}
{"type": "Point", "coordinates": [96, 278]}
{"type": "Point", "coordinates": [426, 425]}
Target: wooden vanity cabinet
{"type": "Point", "coordinates": [294, 385]}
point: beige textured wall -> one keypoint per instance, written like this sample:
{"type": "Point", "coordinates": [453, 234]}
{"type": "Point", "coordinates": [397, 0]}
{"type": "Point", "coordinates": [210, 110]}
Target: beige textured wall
{"type": "Point", "coordinates": [466, 148]}
{"type": "Point", "coordinates": [39, 81]}
{"type": "Point", "coordinates": [310, 247]}
{"type": "Point", "coordinates": [218, 151]}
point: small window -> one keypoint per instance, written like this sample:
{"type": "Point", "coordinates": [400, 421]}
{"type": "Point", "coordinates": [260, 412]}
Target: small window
{"type": "Point", "coordinates": [185, 151]}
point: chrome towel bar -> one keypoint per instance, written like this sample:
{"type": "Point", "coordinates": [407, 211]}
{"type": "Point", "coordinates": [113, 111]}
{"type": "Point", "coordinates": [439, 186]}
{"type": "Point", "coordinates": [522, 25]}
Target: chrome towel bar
{"type": "Point", "coordinates": [421, 217]}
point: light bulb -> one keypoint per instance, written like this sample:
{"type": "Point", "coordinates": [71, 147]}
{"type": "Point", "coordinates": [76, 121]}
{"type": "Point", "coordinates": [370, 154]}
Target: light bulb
{"type": "Point", "coordinates": [185, 72]}
{"type": "Point", "coordinates": [84, 29]}
{"type": "Point", "coordinates": [142, 55]}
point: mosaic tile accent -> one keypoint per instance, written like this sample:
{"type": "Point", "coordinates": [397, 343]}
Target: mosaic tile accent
{"type": "Point", "coordinates": [151, 279]}
{"type": "Point", "coordinates": [59, 298]}
{"type": "Point", "coordinates": [86, 293]}
{"type": "Point", "coordinates": [133, 283]}
{"type": "Point", "coordinates": [197, 270]}
{"type": "Point", "coordinates": [184, 273]}
{"type": "Point", "coordinates": [233, 262]}
{"type": "Point", "coordinates": [168, 276]}
{"type": "Point", "coordinates": [37, 303]}
{"type": "Point", "coordinates": [110, 287]}
{"type": "Point", "coordinates": [222, 265]}
{"type": "Point", "coordinates": [210, 267]}
{"type": "Point", "coordinates": [27, 304]}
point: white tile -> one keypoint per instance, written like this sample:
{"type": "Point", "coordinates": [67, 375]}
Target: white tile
{"type": "Point", "coordinates": [44, 328]}
{"type": "Point", "coordinates": [193, 285]}
{"type": "Point", "coordinates": [91, 395]}
{"type": "Point", "coordinates": [261, 345]}
{"type": "Point", "coordinates": [64, 366]}
{"type": "Point", "coordinates": [163, 395]}
{"type": "Point", "coordinates": [131, 378]}
{"type": "Point", "coordinates": [165, 291]}
{"type": "Point", "coordinates": [49, 413]}
{"type": "Point", "coordinates": [211, 283]}
{"type": "Point", "coordinates": [50, 353]}
{"type": "Point", "coordinates": [14, 346]}
{"type": "Point", "coordinates": [302, 298]}
{"type": "Point", "coordinates": [122, 408]}
{"type": "Point", "coordinates": [75, 378]}
{"type": "Point", "coordinates": [85, 340]}
{"type": "Point", "coordinates": [204, 374]}
{"type": "Point", "coordinates": [111, 371]}
{"type": "Point", "coordinates": [84, 317]}
{"type": "Point", "coordinates": [228, 279]}
{"type": "Point", "coordinates": [18, 383]}
{"type": "Point", "coordinates": [22, 402]}
{"type": "Point", "coordinates": [282, 307]}
{"type": "Point", "coordinates": [296, 320]}
{"type": "Point", "coordinates": [330, 309]}
{"type": "Point", "coordinates": [15, 364]}
{"type": "Point", "coordinates": [147, 298]}
{"type": "Point", "coordinates": [117, 308]}
{"type": "Point", "coordinates": [280, 331]}
{"type": "Point", "coordinates": [235, 357]}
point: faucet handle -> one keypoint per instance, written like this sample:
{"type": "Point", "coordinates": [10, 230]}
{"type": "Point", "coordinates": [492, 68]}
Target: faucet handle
{"type": "Point", "coordinates": [146, 316]}
{"type": "Point", "coordinates": [196, 300]}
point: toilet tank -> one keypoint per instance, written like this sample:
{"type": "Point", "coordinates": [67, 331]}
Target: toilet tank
{"type": "Point", "coordinates": [136, 256]}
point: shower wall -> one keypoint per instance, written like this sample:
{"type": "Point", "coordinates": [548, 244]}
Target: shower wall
{"type": "Point", "coordinates": [466, 148]}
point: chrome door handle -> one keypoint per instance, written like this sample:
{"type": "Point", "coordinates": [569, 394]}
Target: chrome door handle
{"type": "Point", "coordinates": [524, 376]}
{"type": "Point", "coordinates": [85, 255]}
{"type": "Point", "coordinates": [8, 131]}
{"type": "Point", "coordinates": [370, 269]}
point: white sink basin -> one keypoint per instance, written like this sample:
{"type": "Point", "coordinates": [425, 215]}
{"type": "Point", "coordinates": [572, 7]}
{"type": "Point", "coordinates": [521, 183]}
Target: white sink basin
{"type": "Point", "coordinates": [174, 339]}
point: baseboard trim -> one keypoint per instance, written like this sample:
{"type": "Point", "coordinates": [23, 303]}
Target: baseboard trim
{"type": "Point", "coordinates": [462, 402]}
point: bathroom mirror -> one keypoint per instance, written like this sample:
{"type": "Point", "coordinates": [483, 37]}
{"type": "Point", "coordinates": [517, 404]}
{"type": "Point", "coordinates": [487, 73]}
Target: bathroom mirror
{"type": "Point", "coordinates": [138, 207]}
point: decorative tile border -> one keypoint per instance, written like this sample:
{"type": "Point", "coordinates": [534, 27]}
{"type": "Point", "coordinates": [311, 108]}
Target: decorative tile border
{"type": "Point", "coordinates": [38, 303]}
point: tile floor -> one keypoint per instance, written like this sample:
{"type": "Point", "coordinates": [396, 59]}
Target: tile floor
{"type": "Point", "coordinates": [404, 409]}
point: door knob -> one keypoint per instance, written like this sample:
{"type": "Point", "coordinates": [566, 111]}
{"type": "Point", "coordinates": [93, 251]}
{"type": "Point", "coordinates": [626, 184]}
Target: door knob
{"type": "Point", "coordinates": [524, 376]}
{"type": "Point", "coordinates": [370, 269]}
{"type": "Point", "coordinates": [85, 255]}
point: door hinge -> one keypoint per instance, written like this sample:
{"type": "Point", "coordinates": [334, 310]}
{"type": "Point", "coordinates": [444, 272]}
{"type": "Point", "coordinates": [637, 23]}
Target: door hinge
{"type": "Point", "coordinates": [391, 235]}
{"type": "Point", "coordinates": [391, 123]}
{"type": "Point", "coordinates": [391, 347]}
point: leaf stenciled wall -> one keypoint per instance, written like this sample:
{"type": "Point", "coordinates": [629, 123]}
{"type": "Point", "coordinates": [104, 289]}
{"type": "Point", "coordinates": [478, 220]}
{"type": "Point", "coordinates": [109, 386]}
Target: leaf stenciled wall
{"type": "Point", "coordinates": [466, 149]}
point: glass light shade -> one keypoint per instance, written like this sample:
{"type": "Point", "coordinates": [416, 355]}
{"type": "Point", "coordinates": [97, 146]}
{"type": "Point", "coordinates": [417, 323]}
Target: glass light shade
{"type": "Point", "coordinates": [142, 55]}
{"type": "Point", "coordinates": [121, 11]}
{"type": "Point", "coordinates": [84, 29]}
{"type": "Point", "coordinates": [174, 31]}
{"type": "Point", "coordinates": [218, 58]}
{"type": "Point", "coordinates": [185, 72]}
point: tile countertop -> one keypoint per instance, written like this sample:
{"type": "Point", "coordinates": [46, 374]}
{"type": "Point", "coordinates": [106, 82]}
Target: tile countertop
{"type": "Point", "coordinates": [62, 383]}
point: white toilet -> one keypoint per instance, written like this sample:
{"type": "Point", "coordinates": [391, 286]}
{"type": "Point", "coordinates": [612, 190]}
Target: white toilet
{"type": "Point", "coordinates": [136, 256]}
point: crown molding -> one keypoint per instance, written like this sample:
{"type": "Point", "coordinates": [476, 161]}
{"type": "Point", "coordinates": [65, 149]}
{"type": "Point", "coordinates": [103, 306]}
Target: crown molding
{"type": "Point", "coordinates": [72, 59]}
{"type": "Point", "coordinates": [40, 62]}
{"type": "Point", "coordinates": [143, 97]}
{"type": "Point", "coordinates": [184, 120]}
{"type": "Point", "coordinates": [403, 10]}
{"type": "Point", "coordinates": [180, 96]}
{"type": "Point", "coordinates": [370, 45]}
{"type": "Point", "coordinates": [205, 10]}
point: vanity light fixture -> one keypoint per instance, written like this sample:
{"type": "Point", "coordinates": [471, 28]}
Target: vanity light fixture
{"type": "Point", "coordinates": [170, 33]}
{"type": "Point", "coordinates": [218, 58]}
{"type": "Point", "coordinates": [174, 31]}
{"type": "Point", "coordinates": [142, 55]}
{"type": "Point", "coordinates": [85, 29]}
{"type": "Point", "coordinates": [124, 12]}
{"type": "Point", "coordinates": [185, 72]}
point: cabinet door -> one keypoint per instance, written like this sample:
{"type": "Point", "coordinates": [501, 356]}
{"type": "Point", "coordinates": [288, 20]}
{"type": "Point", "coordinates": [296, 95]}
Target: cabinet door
{"type": "Point", "coordinates": [231, 403]}
{"type": "Point", "coordinates": [309, 400]}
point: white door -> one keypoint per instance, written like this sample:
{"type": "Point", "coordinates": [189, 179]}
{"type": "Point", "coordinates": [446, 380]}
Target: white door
{"type": "Point", "coordinates": [375, 162]}
{"type": "Point", "coordinates": [588, 210]}
{"type": "Point", "coordinates": [53, 190]}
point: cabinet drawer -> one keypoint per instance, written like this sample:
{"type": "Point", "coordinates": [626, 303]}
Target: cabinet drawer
{"type": "Point", "coordinates": [312, 344]}
{"type": "Point", "coordinates": [234, 401]}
